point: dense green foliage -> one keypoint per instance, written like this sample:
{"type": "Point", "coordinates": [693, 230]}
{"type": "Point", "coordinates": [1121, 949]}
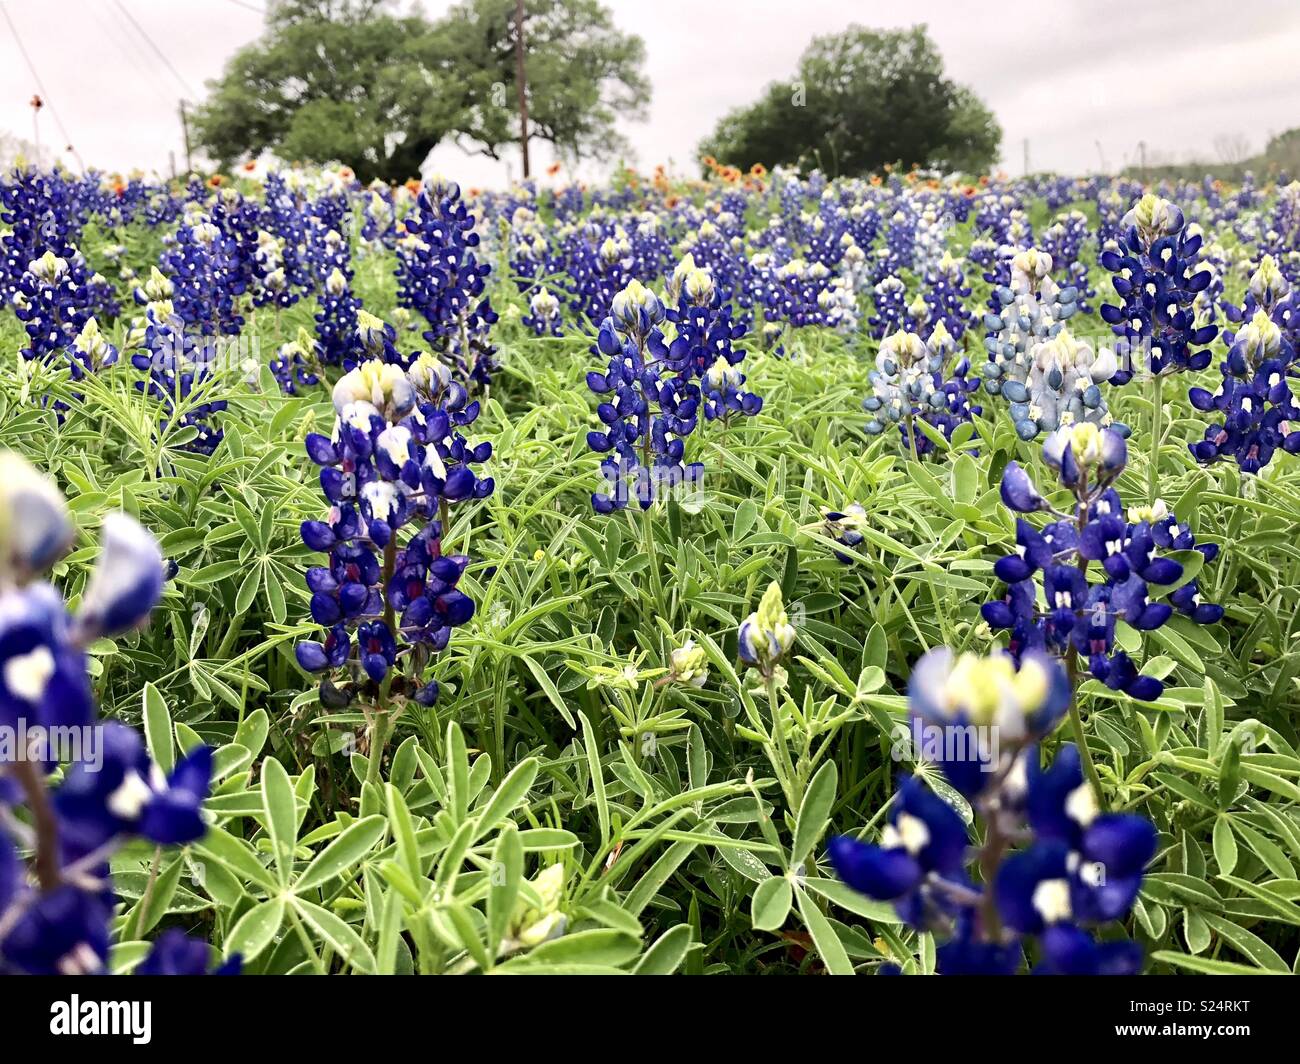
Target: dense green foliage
{"type": "Point", "coordinates": [859, 100]}
{"type": "Point", "coordinates": [689, 822]}
{"type": "Point", "coordinates": [343, 79]}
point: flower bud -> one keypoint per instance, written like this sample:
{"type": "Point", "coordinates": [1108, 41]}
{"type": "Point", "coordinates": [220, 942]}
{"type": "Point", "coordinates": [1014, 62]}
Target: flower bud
{"type": "Point", "coordinates": [690, 665]}
{"type": "Point", "coordinates": [381, 384]}
{"type": "Point", "coordinates": [35, 528]}
{"type": "Point", "coordinates": [766, 635]}
{"type": "Point", "coordinates": [48, 269]}
{"type": "Point", "coordinates": [1267, 284]}
{"type": "Point", "coordinates": [635, 309]}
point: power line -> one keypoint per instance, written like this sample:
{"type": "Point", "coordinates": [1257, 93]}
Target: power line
{"type": "Point", "coordinates": [132, 50]}
{"type": "Point", "coordinates": [157, 51]}
{"type": "Point", "coordinates": [247, 7]}
{"type": "Point", "coordinates": [40, 85]}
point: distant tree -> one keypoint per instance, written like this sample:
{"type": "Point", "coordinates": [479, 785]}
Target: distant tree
{"type": "Point", "coordinates": [861, 99]}
{"type": "Point", "coordinates": [971, 144]}
{"type": "Point", "coordinates": [1232, 148]}
{"type": "Point", "coordinates": [349, 80]}
{"type": "Point", "coordinates": [332, 79]}
{"type": "Point", "coordinates": [582, 73]}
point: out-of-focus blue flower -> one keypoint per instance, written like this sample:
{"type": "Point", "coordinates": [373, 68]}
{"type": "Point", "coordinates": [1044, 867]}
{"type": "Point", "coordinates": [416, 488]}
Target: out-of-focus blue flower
{"type": "Point", "coordinates": [35, 528]}
{"type": "Point", "coordinates": [1077, 868]}
{"type": "Point", "coordinates": [54, 916]}
{"type": "Point", "coordinates": [125, 793]}
{"type": "Point", "coordinates": [175, 953]}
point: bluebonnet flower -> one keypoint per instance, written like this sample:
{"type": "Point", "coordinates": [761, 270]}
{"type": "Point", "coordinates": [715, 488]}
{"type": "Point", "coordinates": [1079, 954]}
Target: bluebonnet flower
{"type": "Point", "coordinates": [909, 384]}
{"type": "Point", "coordinates": [396, 460]}
{"type": "Point", "coordinates": [179, 365]}
{"type": "Point", "coordinates": [1259, 409]}
{"type": "Point", "coordinates": [1048, 377]}
{"type": "Point", "coordinates": [1077, 619]}
{"type": "Point", "coordinates": [543, 315]}
{"type": "Point", "coordinates": [839, 306]}
{"type": "Point", "coordinates": [57, 920]}
{"type": "Point", "coordinates": [208, 274]}
{"type": "Point", "coordinates": [845, 527]}
{"type": "Point", "coordinates": [440, 276]}
{"type": "Point", "coordinates": [703, 348]}
{"type": "Point", "coordinates": [890, 307]}
{"type": "Point", "coordinates": [51, 300]}
{"type": "Point", "coordinates": [379, 227]}
{"type": "Point", "coordinates": [645, 415]}
{"type": "Point", "coordinates": [946, 294]}
{"type": "Point", "coordinates": [295, 364]}
{"type": "Point", "coordinates": [1157, 276]}
{"type": "Point", "coordinates": [982, 721]}
{"type": "Point", "coordinates": [42, 535]}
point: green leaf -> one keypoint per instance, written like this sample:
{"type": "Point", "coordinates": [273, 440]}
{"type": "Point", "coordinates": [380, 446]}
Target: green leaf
{"type": "Point", "coordinates": [504, 878]}
{"type": "Point", "coordinates": [255, 929]}
{"type": "Point", "coordinates": [601, 946]}
{"type": "Point", "coordinates": [1225, 845]}
{"type": "Point", "coordinates": [814, 812]}
{"type": "Point", "coordinates": [665, 956]}
{"type": "Point", "coordinates": [1248, 944]}
{"type": "Point", "coordinates": [513, 790]}
{"type": "Point", "coordinates": [457, 772]}
{"type": "Point", "coordinates": [770, 904]}
{"type": "Point", "coordinates": [881, 912]}
{"type": "Point", "coordinates": [281, 812]}
{"type": "Point", "coordinates": [352, 844]}
{"type": "Point", "coordinates": [158, 729]}
{"type": "Point", "coordinates": [338, 934]}
{"type": "Point", "coordinates": [827, 942]}
{"type": "Point", "coordinates": [1205, 965]}
{"type": "Point", "coordinates": [597, 778]}
{"type": "Point", "coordinates": [236, 856]}
{"type": "Point", "coordinates": [403, 829]}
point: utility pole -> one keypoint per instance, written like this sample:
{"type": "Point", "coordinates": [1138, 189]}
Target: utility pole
{"type": "Point", "coordinates": [1026, 146]}
{"type": "Point", "coordinates": [521, 83]}
{"type": "Point", "coordinates": [185, 131]}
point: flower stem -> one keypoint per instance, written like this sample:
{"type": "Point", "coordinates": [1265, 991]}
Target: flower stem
{"type": "Point", "coordinates": [47, 827]}
{"type": "Point", "coordinates": [1157, 416]}
{"type": "Point", "coordinates": [1076, 724]}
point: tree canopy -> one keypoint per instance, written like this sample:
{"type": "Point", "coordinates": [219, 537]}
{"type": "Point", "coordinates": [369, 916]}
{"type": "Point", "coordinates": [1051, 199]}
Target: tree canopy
{"type": "Point", "coordinates": [350, 80]}
{"type": "Point", "coordinates": [861, 99]}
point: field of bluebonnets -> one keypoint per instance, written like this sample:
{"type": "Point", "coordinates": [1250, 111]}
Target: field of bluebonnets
{"type": "Point", "coordinates": [761, 573]}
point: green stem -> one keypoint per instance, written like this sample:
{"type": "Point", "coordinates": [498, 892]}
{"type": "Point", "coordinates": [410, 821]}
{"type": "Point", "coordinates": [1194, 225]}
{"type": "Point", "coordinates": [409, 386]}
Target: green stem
{"type": "Point", "coordinates": [1157, 416]}
{"type": "Point", "coordinates": [785, 769]}
{"type": "Point", "coordinates": [32, 782]}
{"type": "Point", "coordinates": [378, 740]}
{"type": "Point", "coordinates": [1076, 724]}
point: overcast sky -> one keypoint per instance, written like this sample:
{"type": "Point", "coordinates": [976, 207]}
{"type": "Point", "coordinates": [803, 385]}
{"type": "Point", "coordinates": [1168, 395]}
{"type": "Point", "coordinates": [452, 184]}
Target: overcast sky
{"type": "Point", "coordinates": [1081, 81]}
